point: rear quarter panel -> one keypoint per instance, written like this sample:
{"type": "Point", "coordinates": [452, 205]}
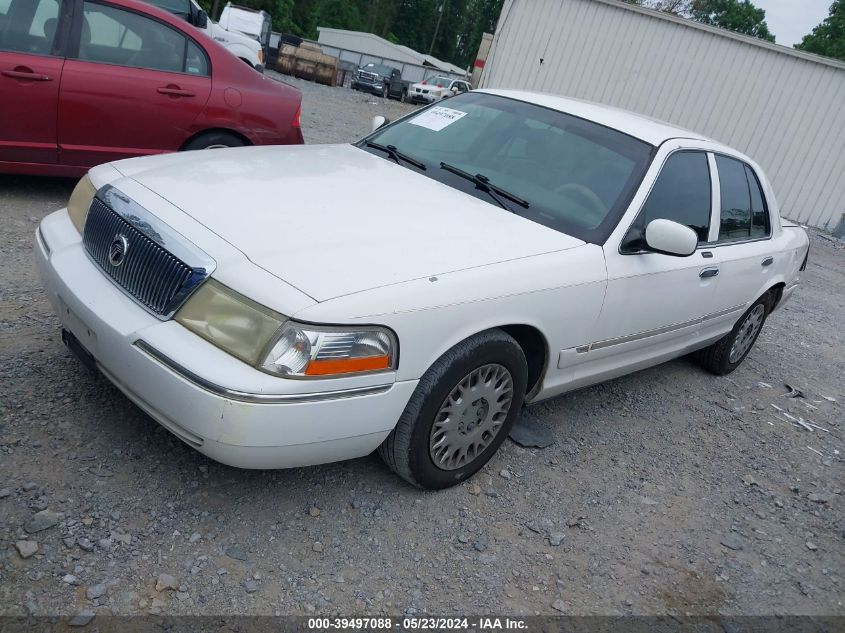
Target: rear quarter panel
{"type": "Point", "coordinates": [794, 245]}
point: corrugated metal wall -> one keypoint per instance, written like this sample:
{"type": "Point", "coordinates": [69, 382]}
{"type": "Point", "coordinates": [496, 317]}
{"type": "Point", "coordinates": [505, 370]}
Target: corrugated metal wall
{"type": "Point", "coordinates": [783, 108]}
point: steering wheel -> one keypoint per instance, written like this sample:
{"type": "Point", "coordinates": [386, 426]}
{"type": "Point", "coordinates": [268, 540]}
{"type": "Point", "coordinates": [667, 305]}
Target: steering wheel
{"type": "Point", "coordinates": [593, 202]}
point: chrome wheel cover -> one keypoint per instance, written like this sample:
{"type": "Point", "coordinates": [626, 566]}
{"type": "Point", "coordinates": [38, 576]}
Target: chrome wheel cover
{"type": "Point", "coordinates": [217, 146]}
{"type": "Point", "coordinates": [747, 333]}
{"type": "Point", "coordinates": [471, 416]}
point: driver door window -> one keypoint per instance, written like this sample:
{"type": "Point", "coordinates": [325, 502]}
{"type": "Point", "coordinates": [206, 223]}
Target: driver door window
{"type": "Point", "coordinates": [682, 193]}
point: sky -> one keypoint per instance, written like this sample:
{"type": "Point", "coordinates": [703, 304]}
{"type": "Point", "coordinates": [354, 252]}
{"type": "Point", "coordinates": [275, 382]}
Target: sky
{"type": "Point", "coordinates": [791, 20]}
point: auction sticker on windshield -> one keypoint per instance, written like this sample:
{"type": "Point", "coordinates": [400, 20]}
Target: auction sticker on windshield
{"type": "Point", "coordinates": [437, 118]}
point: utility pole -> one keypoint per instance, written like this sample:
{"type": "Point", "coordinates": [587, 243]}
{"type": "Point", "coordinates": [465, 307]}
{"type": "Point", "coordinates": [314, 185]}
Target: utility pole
{"type": "Point", "coordinates": [437, 28]}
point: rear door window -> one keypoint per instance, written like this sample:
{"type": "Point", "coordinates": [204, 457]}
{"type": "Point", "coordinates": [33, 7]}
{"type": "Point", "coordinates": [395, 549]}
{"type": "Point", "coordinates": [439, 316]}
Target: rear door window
{"type": "Point", "coordinates": [761, 226]}
{"type": "Point", "coordinates": [744, 214]}
{"type": "Point", "coordinates": [735, 218]}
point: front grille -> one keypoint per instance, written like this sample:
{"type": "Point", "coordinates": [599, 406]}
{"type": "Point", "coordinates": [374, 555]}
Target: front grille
{"type": "Point", "coordinates": [149, 273]}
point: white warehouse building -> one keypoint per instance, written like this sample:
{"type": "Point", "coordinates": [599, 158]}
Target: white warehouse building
{"type": "Point", "coordinates": [783, 107]}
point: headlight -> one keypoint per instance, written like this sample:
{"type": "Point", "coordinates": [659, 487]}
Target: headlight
{"type": "Point", "coordinates": [246, 330]}
{"type": "Point", "coordinates": [80, 202]}
{"type": "Point", "coordinates": [230, 321]}
{"type": "Point", "coordinates": [303, 350]}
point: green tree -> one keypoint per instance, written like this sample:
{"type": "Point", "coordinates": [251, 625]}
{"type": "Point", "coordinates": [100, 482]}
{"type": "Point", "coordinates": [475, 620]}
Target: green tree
{"type": "Point", "coordinates": [828, 38]}
{"type": "Point", "coordinates": [735, 15]}
{"type": "Point", "coordinates": [675, 7]}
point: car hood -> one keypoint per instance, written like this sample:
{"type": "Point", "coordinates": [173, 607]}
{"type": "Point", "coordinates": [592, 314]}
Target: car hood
{"type": "Point", "coordinates": [333, 220]}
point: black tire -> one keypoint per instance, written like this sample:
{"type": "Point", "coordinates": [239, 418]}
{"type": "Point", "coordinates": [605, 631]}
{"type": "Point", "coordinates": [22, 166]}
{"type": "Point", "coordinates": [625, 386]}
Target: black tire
{"type": "Point", "coordinates": [407, 449]}
{"type": "Point", "coordinates": [385, 92]}
{"type": "Point", "coordinates": [210, 140]}
{"type": "Point", "coordinates": [716, 358]}
{"type": "Point", "coordinates": [404, 97]}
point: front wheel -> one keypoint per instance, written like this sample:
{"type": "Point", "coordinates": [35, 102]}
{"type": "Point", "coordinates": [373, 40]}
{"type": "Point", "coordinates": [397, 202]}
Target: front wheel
{"type": "Point", "coordinates": [385, 91]}
{"type": "Point", "coordinates": [461, 411]}
{"type": "Point", "coordinates": [726, 354]}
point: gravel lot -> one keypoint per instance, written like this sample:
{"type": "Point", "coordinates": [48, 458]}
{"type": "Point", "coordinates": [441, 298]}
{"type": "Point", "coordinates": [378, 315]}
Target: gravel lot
{"type": "Point", "coordinates": [668, 491]}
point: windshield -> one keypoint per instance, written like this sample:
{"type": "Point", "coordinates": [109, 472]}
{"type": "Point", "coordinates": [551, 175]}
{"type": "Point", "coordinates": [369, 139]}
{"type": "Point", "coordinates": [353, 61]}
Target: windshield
{"type": "Point", "coordinates": [576, 176]}
{"type": "Point", "coordinates": [441, 82]}
{"type": "Point", "coordinates": [181, 7]}
{"type": "Point", "coordinates": [377, 68]}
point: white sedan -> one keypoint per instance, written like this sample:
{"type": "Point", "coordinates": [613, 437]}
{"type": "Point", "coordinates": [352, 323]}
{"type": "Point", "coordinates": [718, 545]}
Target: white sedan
{"type": "Point", "coordinates": [303, 317]}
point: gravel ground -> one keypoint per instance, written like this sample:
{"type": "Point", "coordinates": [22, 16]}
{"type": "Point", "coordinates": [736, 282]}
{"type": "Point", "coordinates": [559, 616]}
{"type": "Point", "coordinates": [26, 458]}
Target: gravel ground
{"type": "Point", "coordinates": [341, 115]}
{"type": "Point", "coordinates": [667, 491]}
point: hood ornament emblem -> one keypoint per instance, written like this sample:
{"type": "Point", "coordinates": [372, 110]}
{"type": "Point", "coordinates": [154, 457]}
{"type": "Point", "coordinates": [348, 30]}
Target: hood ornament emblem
{"type": "Point", "coordinates": [118, 249]}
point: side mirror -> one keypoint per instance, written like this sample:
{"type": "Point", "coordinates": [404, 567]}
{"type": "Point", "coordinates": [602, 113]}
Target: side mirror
{"type": "Point", "coordinates": [670, 238]}
{"type": "Point", "coordinates": [201, 21]}
{"type": "Point", "coordinates": [379, 121]}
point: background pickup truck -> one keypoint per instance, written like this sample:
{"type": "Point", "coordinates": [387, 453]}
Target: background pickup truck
{"type": "Point", "coordinates": [379, 79]}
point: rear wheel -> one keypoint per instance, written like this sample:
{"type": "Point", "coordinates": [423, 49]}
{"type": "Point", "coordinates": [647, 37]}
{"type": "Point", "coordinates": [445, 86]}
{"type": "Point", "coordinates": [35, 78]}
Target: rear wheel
{"type": "Point", "coordinates": [214, 140]}
{"type": "Point", "coordinates": [726, 354]}
{"type": "Point", "coordinates": [461, 411]}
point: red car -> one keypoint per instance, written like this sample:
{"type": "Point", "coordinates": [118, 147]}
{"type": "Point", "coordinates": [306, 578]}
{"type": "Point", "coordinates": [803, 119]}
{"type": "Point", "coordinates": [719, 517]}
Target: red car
{"type": "Point", "coordinates": [84, 82]}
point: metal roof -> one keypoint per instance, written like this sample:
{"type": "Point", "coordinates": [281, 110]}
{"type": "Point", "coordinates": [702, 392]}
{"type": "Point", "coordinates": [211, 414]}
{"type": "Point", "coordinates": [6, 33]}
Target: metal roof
{"type": "Point", "coordinates": [782, 107]}
{"type": "Point", "coordinates": [372, 44]}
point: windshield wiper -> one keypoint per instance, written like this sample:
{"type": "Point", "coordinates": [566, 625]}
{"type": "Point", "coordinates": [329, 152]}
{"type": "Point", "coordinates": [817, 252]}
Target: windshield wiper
{"type": "Point", "coordinates": [396, 155]}
{"type": "Point", "coordinates": [483, 182]}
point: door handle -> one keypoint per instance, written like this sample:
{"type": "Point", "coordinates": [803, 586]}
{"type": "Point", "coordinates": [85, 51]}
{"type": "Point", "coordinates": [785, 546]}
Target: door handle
{"type": "Point", "coordinates": [768, 261]}
{"type": "Point", "coordinates": [175, 91]}
{"type": "Point", "coordinates": [25, 74]}
{"type": "Point", "coordinates": [708, 272]}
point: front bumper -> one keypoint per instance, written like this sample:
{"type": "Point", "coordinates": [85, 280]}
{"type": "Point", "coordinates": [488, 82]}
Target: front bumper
{"type": "Point", "coordinates": [415, 97]}
{"type": "Point", "coordinates": [375, 89]}
{"type": "Point", "coordinates": [215, 403]}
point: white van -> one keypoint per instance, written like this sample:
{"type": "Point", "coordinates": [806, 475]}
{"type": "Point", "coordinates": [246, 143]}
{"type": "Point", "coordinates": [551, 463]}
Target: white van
{"type": "Point", "coordinates": [239, 44]}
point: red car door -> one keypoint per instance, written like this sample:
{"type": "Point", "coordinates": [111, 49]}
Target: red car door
{"type": "Point", "coordinates": [132, 86]}
{"type": "Point", "coordinates": [30, 75]}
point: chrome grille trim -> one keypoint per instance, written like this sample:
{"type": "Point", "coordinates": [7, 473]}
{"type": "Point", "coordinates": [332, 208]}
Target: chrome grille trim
{"type": "Point", "coordinates": [156, 267]}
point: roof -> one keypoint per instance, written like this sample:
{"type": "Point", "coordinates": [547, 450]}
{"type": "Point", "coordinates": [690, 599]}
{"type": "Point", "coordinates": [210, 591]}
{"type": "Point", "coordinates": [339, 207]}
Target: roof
{"type": "Point", "coordinates": [642, 127]}
{"type": "Point", "coordinates": [371, 44]}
